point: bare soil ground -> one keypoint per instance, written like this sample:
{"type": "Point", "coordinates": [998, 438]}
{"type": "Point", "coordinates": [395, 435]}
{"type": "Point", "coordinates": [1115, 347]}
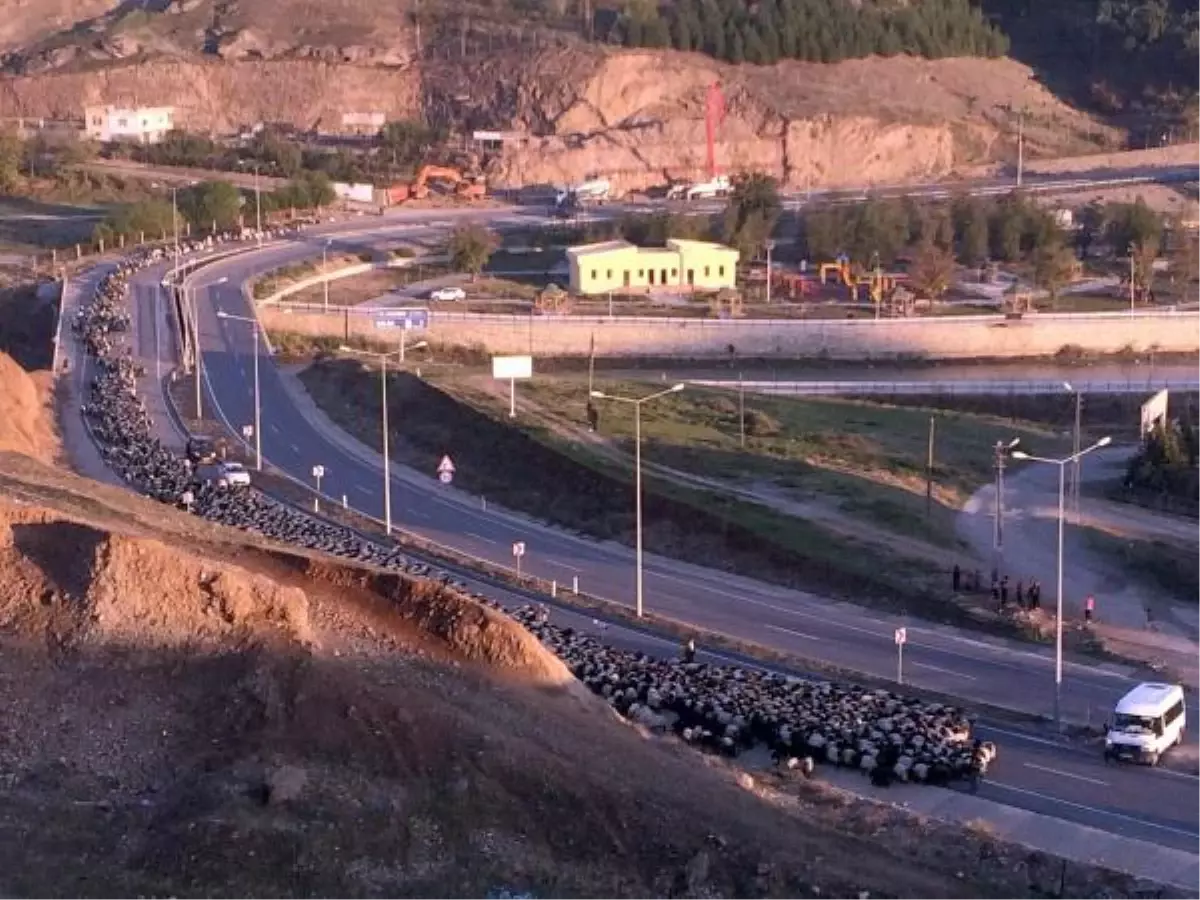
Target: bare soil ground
{"type": "Point", "coordinates": [358, 289]}
{"type": "Point", "coordinates": [188, 711]}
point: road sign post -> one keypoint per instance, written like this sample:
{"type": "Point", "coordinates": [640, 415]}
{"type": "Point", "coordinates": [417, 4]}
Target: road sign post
{"type": "Point", "coordinates": [510, 368]}
{"type": "Point", "coordinates": [188, 499]}
{"type": "Point", "coordinates": [518, 551]}
{"type": "Point", "coordinates": [445, 470]}
{"type": "Point", "coordinates": [901, 640]}
{"type": "Point", "coordinates": [318, 472]}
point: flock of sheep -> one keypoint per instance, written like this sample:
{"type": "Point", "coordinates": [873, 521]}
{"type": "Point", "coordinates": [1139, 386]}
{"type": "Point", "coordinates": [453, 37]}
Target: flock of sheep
{"type": "Point", "coordinates": [719, 708]}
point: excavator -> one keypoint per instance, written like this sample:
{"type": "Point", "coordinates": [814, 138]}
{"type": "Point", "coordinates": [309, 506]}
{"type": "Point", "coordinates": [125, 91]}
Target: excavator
{"type": "Point", "coordinates": [469, 188]}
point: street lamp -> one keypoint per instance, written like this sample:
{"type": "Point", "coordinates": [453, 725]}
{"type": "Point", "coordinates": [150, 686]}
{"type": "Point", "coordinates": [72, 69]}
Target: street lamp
{"type": "Point", "coordinates": [637, 440]}
{"type": "Point", "coordinates": [1076, 474]}
{"type": "Point", "coordinates": [221, 314]}
{"type": "Point", "coordinates": [770, 246]}
{"type": "Point", "coordinates": [387, 471]}
{"type": "Point", "coordinates": [1058, 619]}
{"type": "Point", "coordinates": [324, 274]}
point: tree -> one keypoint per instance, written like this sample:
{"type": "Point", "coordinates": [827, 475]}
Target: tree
{"type": "Point", "coordinates": [973, 232]}
{"type": "Point", "coordinates": [470, 248]}
{"type": "Point", "coordinates": [1183, 254]}
{"type": "Point", "coordinates": [407, 142]}
{"type": "Point", "coordinates": [1090, 223]}
{"type": "Point", "coordinates": [216, 203]}
{"type": "Point", "coordinates": [752, 213]}
{"type": "Point", "coordinates": [149, 217]}
{"type": "Point", "coordinates": [932, 271]}
{"type": "Point", "coordinates": [11, 151]}
{"type": "Point", "coordinates": [1052, 267]}
{"type": "Point", "coordinates": [1131, 223]}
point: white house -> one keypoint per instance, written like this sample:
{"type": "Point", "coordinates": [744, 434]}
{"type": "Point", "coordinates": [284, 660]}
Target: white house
{"type": "Point", "coordinates": [145, 124]}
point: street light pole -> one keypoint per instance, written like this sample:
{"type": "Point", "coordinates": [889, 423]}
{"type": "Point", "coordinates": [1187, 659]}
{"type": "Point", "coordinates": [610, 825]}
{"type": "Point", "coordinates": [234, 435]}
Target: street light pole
{"type": "Point", "coordinates": [384, 424]}
{"type": "Point", "coordinates": [1058, 618]}
{"type": "Point", "coordinates": [253, 323]}
{"type": "Point", "coordinates": [257, 207]}
{"type": "Point", "coordinates": [770, 247]}
{"type": "Point", "coordinates": [387, 468]}
{"type": "Point", "coordinates": [257, 408]}
{"type": "Point", "coordinates": [324, 274]}
{"type": "Point", "coordinates": [195, 309]}
{"type": "Point", "coordinates": [637, 439]}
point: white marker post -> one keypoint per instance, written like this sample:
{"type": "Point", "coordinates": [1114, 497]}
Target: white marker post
{"type": "Point", "coordinates": [318, 472]}
{"type": "Point", "coordinates": [518, 552]}
{"type": "Point", "coordinates": [445, 470]}
{"type": "Point", "coordinates": [188, 499]}
{"type": "Point", "coordinates": [510, 368]}
{"type": "Point", "coordinates": [901, 640]}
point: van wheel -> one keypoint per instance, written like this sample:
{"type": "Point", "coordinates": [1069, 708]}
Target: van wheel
{"type": "Point", "coordinates": [1153, 760]}
{"type": "Point", "coordinates": [1179, 738]}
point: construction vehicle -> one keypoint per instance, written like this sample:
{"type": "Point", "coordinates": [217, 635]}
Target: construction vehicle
{"type": "Point", "coordinates": [593, 190]}
{"type": "Point", "coordinates": [468, 187]}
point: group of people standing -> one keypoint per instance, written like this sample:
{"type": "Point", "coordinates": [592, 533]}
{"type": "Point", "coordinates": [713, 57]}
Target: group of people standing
{"type": "Point", "coordinates": [1026, 595]}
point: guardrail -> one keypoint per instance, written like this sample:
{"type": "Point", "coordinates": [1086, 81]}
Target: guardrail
{"type": "Point", "coordinates": [404, 262]}
{"type": "Point", "coordinates": [949, 388]}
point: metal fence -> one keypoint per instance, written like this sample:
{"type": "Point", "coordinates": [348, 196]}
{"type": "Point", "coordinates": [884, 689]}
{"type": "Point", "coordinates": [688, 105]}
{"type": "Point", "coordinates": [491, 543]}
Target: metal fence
{"type": "Point", "coordinates": [1000, 387]}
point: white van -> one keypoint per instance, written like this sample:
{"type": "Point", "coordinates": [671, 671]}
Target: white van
{"type": "Point", "coordinates": [1147, 722]}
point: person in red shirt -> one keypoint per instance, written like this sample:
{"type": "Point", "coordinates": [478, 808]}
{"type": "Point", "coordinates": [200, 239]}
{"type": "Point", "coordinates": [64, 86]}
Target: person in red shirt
{"type": "Point", "coordinates": [1089, 607]}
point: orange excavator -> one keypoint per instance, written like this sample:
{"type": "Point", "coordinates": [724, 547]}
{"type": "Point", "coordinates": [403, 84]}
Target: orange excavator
{"type": "Point", "coordinates": [469, 188]}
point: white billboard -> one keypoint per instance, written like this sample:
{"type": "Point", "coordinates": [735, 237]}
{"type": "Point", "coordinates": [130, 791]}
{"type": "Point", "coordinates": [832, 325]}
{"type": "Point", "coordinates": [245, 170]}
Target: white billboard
{"type": "Point", "coordinates": [511, 367]}
{"type": "Point", "coordinates": [1154, 410]}
{"type": "Point", "coordinates": [363, 120]}
{"type": "Point", "coordinates": [361, 193]}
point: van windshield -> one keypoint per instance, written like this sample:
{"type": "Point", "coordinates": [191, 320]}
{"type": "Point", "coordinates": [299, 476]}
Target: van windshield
{"type": "Point", "coordinates": [1135, 724]}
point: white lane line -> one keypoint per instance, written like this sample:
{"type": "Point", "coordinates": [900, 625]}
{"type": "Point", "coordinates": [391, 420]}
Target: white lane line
{"type": "Point", "coordinates": [1092, 809]}
{"type": "Point", "coordinates": [480, 537]}
{"type": "Point", "coordinates": [1022, 736]}
{"type": "Point", "coordinates": [561, 565]}
{"type": "Point", "coordinates": [1063, 774]}
{"type": "Point", "coordinates": [363, 490]}
{"type": "Point", "coordinates": [800, 634]}
{"type": "Point", "coordinates": [273, 428]}
{"type": "Point", "coordinates": [295, 449]}
{"type": "Point", "coordinates": [932, 668]}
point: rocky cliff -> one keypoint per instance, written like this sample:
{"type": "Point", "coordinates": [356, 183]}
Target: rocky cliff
{"type": "Point", "coordinates": [635, 116]}
{"type": "Point", "coordinates": [638, 117]}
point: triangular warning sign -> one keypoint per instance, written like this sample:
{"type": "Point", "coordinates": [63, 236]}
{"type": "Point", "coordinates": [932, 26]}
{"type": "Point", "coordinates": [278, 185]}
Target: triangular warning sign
{"type": "Point", "coordinates": [446, 465]}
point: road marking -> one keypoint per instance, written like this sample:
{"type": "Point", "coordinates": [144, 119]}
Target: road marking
{"type": "Point", "coordinates": [933, 668]}
{"type": "Point", "coordinates": [295, 449]}
{"type": "Point", "coordinates": [1020, 735]}
{"type": "Point", "coordinates": [796, 633]}
{"type": "Point", "coordinates": [561, 565]}
{"type": "Point", "coordinates": [1063, 774]}
{"type": "Point", "coordinates": [1091, 809]}
{"type": "Point", "coordinates": [480, 537]}
{"type": "Point", "coordinates": [363, 490]}
{"type": "Point", "coordinates": [273, 428]}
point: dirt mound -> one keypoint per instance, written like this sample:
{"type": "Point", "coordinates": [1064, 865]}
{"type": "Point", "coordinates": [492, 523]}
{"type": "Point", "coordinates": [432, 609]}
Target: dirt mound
{"type": "Point", "coordinates": [638, 116]}
{"type": "Point", "coordinates": [26, 419]}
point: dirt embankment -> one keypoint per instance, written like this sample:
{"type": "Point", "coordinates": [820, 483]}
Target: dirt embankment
{"type": "Point", "coordinates": [639, 116]}
{"type": "Point", "coordinates": [219, 96]}
{"type": "Point", "coordinates": [187, 711]}
{"type": "Point", "coordinates": [26, 417]}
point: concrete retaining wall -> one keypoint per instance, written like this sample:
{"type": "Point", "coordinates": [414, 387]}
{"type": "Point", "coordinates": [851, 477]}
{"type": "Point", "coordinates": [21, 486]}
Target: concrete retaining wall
{"type": "Point", "coordinates": [967, 337]}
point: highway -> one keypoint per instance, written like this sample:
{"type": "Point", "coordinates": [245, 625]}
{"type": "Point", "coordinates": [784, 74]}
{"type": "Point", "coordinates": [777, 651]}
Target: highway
{"type": "Point", "coordinates": [1036, 772]}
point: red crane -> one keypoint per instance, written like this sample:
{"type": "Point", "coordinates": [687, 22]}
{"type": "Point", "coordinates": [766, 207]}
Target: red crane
{"type": "Point", "coordinates": [714, 113]}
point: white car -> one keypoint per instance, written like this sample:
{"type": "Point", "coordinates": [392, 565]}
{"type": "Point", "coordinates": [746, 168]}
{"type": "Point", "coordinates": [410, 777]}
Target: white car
{"type": "Point", "coordinates": [233, 474]}
{"type": "Point", "coordinates": [448, 294]}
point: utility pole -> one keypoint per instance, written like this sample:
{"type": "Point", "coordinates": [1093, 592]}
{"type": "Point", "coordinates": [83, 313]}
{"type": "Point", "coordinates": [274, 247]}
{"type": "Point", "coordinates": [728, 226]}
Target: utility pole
{"type": "Point", "coordinates": [1076, 466]}
{"type": "Point", "coordinates": [195, 310]}
{"type": "Point", "coordinates": [742, 409]}
{"type": "Point", "coordinates": [1132, 289]}
{"type": "Point", "coordinates": [929, 470]}
{"type": "Point", "coordinates": [257, 207]}
{"type": "Point", "coordinates": [1020, 147]}
{"type": "Point", "coordinates": [770, 247]}
{"type": "Point", "coordinates": [998, 504]}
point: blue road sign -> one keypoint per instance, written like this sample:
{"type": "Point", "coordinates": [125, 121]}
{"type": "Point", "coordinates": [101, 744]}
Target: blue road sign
{"type": "Point", "coordinates": [405, 319]}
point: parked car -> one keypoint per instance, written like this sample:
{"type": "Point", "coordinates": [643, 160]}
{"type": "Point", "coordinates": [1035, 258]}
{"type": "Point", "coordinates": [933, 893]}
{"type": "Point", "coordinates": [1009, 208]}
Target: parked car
{"type": "Point", "coordinates": [448, 294]}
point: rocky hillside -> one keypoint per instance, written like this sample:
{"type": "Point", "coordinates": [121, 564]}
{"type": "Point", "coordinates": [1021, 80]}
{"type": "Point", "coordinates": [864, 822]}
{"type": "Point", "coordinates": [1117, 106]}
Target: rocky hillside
{"type": "Point", "coordinates": [634, 115]}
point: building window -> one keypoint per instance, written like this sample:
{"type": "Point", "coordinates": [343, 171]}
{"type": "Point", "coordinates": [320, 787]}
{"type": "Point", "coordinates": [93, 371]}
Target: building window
{"type": "Point", "coordinates": [608, 274]}
{"type": "Point", "coordinates": [593, 274]}
{"type": "Point", "coordinates": [721, 271]}
{"type": "Point", "coordinates": [641, 273]}
{"type": "Point", "coordinates": [674, 273]}
{"type": "Point", "coordinates": [122, 123]}
{"type": "Point", "coordinates": [706, 273]}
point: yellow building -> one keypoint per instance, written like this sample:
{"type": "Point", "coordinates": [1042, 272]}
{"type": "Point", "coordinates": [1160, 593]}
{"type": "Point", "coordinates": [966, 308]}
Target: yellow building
{"type": "Point", "coordinates": [619, 266]}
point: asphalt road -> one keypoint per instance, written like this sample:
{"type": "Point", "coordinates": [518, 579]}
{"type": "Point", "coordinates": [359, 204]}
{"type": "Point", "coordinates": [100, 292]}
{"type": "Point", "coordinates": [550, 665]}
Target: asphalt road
{"type": "Point", "coordinates": [1036, 772]}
